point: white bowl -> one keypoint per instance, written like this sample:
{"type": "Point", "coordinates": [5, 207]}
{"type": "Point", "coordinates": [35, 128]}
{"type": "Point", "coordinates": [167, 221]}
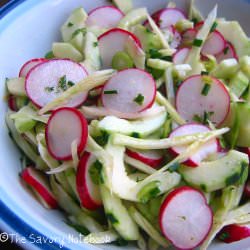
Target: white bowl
{"type": "Point", "coordinates": [27, 30]}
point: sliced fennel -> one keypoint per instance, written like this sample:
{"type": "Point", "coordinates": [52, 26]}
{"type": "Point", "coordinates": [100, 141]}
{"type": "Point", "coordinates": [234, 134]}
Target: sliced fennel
{"type": "Point", "coordinates": [16, 86]}
{"type": "Point", "coordinates": [124, 6]}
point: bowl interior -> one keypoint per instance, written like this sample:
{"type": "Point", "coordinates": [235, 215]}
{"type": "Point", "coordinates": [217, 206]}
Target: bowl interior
{"type": "Point", "coordinates": [28, 32]}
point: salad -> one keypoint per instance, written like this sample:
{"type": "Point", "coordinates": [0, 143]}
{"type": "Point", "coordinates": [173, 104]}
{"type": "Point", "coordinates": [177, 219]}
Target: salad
{"type": "Point", "coordinates": [137, 126]}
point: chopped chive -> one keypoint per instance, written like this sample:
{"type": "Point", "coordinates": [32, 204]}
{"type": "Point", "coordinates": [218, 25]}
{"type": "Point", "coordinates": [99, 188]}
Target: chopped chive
{"type": "Point", "coordinates": [139, 99]}
{"type": "Point", "coordinates": [148, 30]}
{"type": "Point", "coordinates": [207, 116]}
{"type": "Point", "coordinates": [70, 83]}
{"type": "Point", "coordinates": [197, 118]}
{"type": "Point", "coordinates": [112, 218]}
{"type": "Point", "coordinates": [195, 20]}
{"type": "Point", "coordinates": [70, 24]}
{"type": "Point", "coordinates": [197, 42]}
{"type": "Point", "coordinates": [204, 73]}
{"type": "Point", "coordinates": [225, 51]}
{"type": "Point", "coordinates": [78, 31]}
{"type": "Point", "coordinates": [167, 58]}
{"type": "Point", "coordinates": [135, 135]}
{"type": "Point", "coordinates": [49, 89]}
{"type": "Point", "coordinates": [214, 26]}
{"type": "Point", "coordinates": [95, 44]}
{"type": "Point", "coordinates": [62, 83]}
{"type": "Point", "coordinates": [110, 92]}
{"type": "Point", "coordinates": [206, 89]}
{"type": "Point", "coordinates": [49, 55]}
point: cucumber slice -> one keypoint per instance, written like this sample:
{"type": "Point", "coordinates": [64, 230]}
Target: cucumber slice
{"type": "Point", "coordinates": [124, 6]}
{"type": "Point", "coordinates": [239, 83]}
{"type": "Point", "coordinates": [16, 86]}
{"type": "Point", "coordinates": [215, 175]}
{"type": "Point", "coordinates": [78, 41]}
{"type": "Point", "coordinates": [118, 215]}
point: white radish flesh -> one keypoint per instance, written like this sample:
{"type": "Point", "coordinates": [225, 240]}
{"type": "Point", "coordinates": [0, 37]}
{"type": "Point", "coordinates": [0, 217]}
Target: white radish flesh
{"type": "Point", "coordinates": [114, 41]}
{"type": "Point", "coordinates": [214, 45]}
{"type": "Point", "coordinates": [29, 65]}
{"type": "Point", "coordinates": [38, 182]}
{"type": "Point", "coordinates": [106, 17]}
{"type": "Point", "coordinates": [129, 91]}
{"type": "Point", "coordinates": [227, 53]}
{"type": "Point", "coordinates": [188, 37]}
{"type": "Point", "coordinates": [181, 55]}
{"type": "Point", "coordinates": [49, 79]}
{"type": "Point", "coordinates": [185, 218]}
{"type": "Point", "coordinates": [65, 126]}
{"type": "Point", "coordinates": [192, 100]}
{"type": "Point", "coordinates": [175, 38]}
{"type": "Point", "coordinates": [87, 189]}
{"type": "Point", "coordinates": [152, 158]}
{"type": "Point", "coordinates": [207, 149]}
{"type": "Point", "coordinates": [168, 17]}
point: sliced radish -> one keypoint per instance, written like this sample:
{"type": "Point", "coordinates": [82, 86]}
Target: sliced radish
{"type": "Point", "coordinates": [199, 25]}
{"type": "Point", "coordinates": [112, 42]}
{"type": "Point", "coordinates": [87, 189]}
{"type": "Point", "coordinates": [227, 53]}
{"type": "Point", "coordinates": [185, 218]}
{"type": "Point", "coordinates": [215, 44]}
{"type": "Point", "coordinates": [176, 38]}
{"type": "Point", "coordinates": [38, 182]}
{"type": "Point", "coordinates": [168, 17]}
{"type": "Point", "coordinates": [246, 151]}
{"type": "Point", "coordinates": [152, 158]}
{"type": "Point", "coordinates": [29, 65]}
{"type": "Point", "coordinates": [106, 17]}
{"type": "Point", "coordinates": [12, 103]}
{"type": "Point", "coordinates": [65, 126]}
{"type": "Point", "coordinates": [199, 95]}
{"type": "Point", "coordinates": [129, 91]}
{"type": "Point", "coordinates": [188, 37]}
{"type": "Point", "coordinates": [247, 189]}
{"type": "Point", "coordinates": [49, 79]}
{"type": "Point", "coordinates": [207, 149]}
{"type": "Point", "coordinates": [180, 56]}
{"type": "Point", "coordinates": [234, 232]}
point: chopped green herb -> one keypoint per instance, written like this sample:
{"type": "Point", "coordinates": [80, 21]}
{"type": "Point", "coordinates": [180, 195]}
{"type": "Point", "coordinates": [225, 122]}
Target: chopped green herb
{"type": "Point", "coordinates": [102, 139]}
{"type": "Point", "coordinates": [110, 92]}
{"type": "Point", "coordinates": [70, 24]}
{"type": "Point", "coordinates": [204, 73]}
{"type": "Point", "coordinates": [225, 51]}
{"type": "Point", "coordinates": [197, 42]}
{"type": "Point", "coordinates": [49, 55]}
{"type": "Point", "coordinates": [62, 83]}
{"type": "Point", "coordinates": [95, 172]}
{"type": "Point", "coordinates": [167, 58]}
{"type": "Point", "coordinates": [148, 30]}
{"type": "Point", "coordinates": [195, 20]}
{"type": "Point", "coordinates": [149, 191]}
{"type": "Point", "coordinates": [135, 135]}
{"type": "Point", "coordinates": [95, 44]}
{"type": "Point", "coordinates": [233, 179]}
{"type": "Point", "coordinates": [78, 31]}
{"type": "Point", "coordinates": [203, 119]}
{"type": "Point", "coordinates": [49, 89]}
{"type": "Point", "coordinates": [79, 228]}
{"type": "Point", "coordinates": [70, 83]}
{"type": "Point", "coordinates": [112, 218]}
{"type": "Point", "coordinates": [203, 187]}
{"type": "Point", "coordinates": [139, 99]}
{"type": "Point", "coordinates": [156, 73]}
{"type": "Point", "coordinates": [121, 242]}
{"type": "Point", "coordinates": [206, 89]}
{"type": "Point", "coordinates": [223, 236]}
{"type": "Point", "coordinates": [174, 167]}
{"type": "Point", "coordinates": [214, 26]}
{"type": "Point", "coordinates": [154, 53]}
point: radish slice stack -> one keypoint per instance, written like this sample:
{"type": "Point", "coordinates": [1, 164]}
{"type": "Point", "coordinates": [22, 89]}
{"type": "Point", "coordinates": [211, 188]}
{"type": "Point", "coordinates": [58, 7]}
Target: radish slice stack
{"type": "Point", "coordinates": [168, 17]}
{"type": "Point", "coordinates": [49, 79]}
{"type": "Point", "coordinates": [87, 189]}
{"type": "Point", "coordinates": [65, 126]}
{"type": "Point", "coordinates": [129, 91]}
{"type": "Point", "coordinates": [38, 182]}
{"type": "Point", "coordinates": [199, 95]}
{"type": "Point", "coordinates": [114, 41]}
{"type": "Point", "coordinates": [30, 65]}
{"type": "Point", "coordinates": [180, 56]}
{"type": "Point", "coordinates": [152, 158]}
{"type": "Point", "coordinates": [234, 233]}
{"type": "Point", "coordinates": [105, 17]}
{"type": "Point", "coordinates": [185, 218]}
{"type": "Point", "coordinates": [228, 52]}
{"type": "Point", "coordinates": [207, 149]}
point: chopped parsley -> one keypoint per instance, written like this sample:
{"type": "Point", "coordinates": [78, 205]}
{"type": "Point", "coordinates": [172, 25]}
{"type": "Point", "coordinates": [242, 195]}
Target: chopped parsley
{"type": "Point", "coordinates": [204, 118]}
{"type": "Point", "coordinates": [62, 83]}
{"type": "Point", "coordinates": [95, 44]}
{"type": "Point", "coordinates": [70, 24]}
{"type": "Point", "coordinates": [214, 26]}
{"type": "Point", "coordinates": [206, 89]}
{"type": "Point", "coordinates": [155, 54]}
{"type": "Point", "coordinates": [49, 55]}
{"type": "Point", "coordinates": [135, 135]}
{"type": "Point", "coordinates": [49, 89]}
{"type": "Point", "coordinates": [110, 92]}
{"type": "Point", "coordinates": [195, 20]}
{"type": "Point", "coordinates": [139, 99]}
{"type": "Point", "coordinates": [70, 83]}
{"type": "Point", "coordinates": [197, 42]}
{"type": "Point", "coordinates": [78, 31]}
{"type": "Point", "coordinates": [204, 73]}
{"type": "Point", "coordinates": [102, 139]}
{"type": "Point", "coordinates": [95, 172]}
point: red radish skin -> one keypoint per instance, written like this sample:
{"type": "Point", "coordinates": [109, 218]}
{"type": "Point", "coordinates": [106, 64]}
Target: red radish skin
{"type": "Point", "coordinates": [234, 232]}
{"type": "Point", "coordinates": [185, 218]}
{"type": "Point", "coordinates": [168, 17]}
{"type": "Point", "coordinates": [12, 103]}
{"type": "Point", "coordinates": [66, 125]}
{"type": "Point", "coordinates": [106, 17]}
{"type": "Point", "coordinates": [247, 189]}
{"type": "Point", "coordinates": [181, 55]}
{"type": "Point", "coordinates": [214, 45]}
{"type": "Point", "coordinates": [188, 37]}
{"type": "Point", "coordinates": [29, 65]}
{"type": "Point", "coordinates": [47, 75]}
{"type": "Point", "coordinates": [88, 191]}
{"type": "Point", "coordinates": [153, 159]}
{"type": "Point", "coordinates": [199, 25]}
{"type": "Point", "coordinates": [207, 149]}
{"type": "Point", "coordinates": [176, 40]}
{"type": "Point", "coordinates": [129, 84]}
{"type": "Point", "coordinates": [30, 177]}
{"type": "Point", "coordinates": [113, 41]}
{"type": "Point", "coordinates": [190, 101]}
{"type": "Point", "coordinates": [227, 53]}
